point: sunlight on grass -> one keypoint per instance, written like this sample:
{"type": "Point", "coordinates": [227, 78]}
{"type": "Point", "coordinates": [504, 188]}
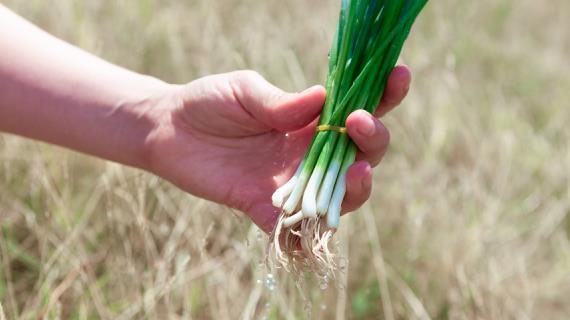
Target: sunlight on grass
{"type": "Point", "coordinates": [470, 216]}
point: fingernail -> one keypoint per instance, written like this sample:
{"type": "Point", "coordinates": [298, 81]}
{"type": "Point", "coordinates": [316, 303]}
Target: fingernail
{"type": "Point", "coordinates": [367, 128]}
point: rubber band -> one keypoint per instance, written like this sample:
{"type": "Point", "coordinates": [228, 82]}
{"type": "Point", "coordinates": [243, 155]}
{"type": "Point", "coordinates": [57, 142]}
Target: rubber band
{"type": "Point", "coordinates": [328, 127]}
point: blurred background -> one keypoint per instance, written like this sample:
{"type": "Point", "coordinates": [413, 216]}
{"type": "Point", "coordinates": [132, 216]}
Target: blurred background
{"type": "Point", "coordinates": [470, 215]}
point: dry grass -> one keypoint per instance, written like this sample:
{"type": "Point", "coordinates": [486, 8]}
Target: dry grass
{"type": "Point", "coordinates": [470, 214]}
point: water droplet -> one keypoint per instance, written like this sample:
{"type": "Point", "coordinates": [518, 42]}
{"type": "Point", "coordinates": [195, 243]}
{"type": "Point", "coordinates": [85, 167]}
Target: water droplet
{"type": "Point", "coordinates": [270, 282]}
{"type": "Point", "coordinates": [324, 284]}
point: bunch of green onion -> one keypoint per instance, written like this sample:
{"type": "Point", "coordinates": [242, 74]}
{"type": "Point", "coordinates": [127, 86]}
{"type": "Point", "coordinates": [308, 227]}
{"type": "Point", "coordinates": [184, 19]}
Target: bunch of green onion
{"type": "Point", "coordinates": [365, 49]}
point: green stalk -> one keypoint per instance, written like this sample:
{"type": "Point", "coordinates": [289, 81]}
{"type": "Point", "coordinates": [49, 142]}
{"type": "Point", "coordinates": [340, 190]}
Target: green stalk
{"type": "Point", "coordinates": [358, 49]}
{"type": "Point", "coordinates": [376, 59]}
{"type": "Point", "coordinates": [384, 74]}
{"type": "Point", "coordinates": [333, 59]}
{"type": "Point", "coordinates": [342, 57]}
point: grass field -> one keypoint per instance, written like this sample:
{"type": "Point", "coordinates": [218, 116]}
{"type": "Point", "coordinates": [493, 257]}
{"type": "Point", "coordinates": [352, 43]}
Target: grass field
{"type": "Point", "coordinates": [469, 219]}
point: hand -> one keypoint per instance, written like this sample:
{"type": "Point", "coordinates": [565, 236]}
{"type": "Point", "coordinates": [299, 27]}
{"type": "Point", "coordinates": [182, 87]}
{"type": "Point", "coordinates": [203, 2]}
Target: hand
{"type": "Point", "coordinates": [234, 138]}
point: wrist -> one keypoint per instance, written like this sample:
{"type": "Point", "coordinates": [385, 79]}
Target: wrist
{"type": "Point", "coordinates": [154, 108]}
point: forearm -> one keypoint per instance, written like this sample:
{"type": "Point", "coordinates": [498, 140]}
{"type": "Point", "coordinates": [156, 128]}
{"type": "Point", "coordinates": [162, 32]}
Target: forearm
{"type": "Point", "coordinates": [54, 92]}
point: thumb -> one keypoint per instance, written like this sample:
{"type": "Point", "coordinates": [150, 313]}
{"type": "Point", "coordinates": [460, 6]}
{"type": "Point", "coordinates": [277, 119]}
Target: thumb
{"type": "Point", "coordinates": [272, 106]}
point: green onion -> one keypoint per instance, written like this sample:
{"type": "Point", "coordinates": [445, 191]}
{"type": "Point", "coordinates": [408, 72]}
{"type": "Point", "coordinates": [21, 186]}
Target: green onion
{"type": "Point", "coordinates": [368, 41]}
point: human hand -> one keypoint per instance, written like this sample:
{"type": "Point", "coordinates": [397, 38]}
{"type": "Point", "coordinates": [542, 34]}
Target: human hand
{"type": "Point", "coordinates": [234, 138]}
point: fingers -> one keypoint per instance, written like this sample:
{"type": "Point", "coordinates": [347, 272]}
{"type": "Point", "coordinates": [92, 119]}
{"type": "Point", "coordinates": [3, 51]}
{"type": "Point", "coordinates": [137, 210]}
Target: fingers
{"type": "Point", "coordinates": [370, 135]}
{"type": "Point", "coordinates": [372, 139]}
{"type": "Point", "coordinates": [396, 90]}
{"type": "Point", "coordinates": [358, 186]}
{"type": "Point", "coordinates": [275, 108]}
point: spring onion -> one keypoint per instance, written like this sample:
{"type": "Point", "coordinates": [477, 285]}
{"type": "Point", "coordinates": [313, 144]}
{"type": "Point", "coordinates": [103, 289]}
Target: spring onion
{"type": "Point", "coordinates": [368, 41]}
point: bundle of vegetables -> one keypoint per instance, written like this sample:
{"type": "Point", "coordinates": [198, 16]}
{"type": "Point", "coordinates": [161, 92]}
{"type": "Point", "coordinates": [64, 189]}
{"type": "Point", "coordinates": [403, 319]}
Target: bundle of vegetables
{"type": "Point", "coordinates": [368, 42]}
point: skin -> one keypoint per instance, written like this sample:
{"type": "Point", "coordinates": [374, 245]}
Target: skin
{"type": "Point", "coordinates": [230, 138]}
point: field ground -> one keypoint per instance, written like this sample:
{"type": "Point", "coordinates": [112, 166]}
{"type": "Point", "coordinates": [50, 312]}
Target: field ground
{"type": "Point", "coordinates": [470, 216]}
